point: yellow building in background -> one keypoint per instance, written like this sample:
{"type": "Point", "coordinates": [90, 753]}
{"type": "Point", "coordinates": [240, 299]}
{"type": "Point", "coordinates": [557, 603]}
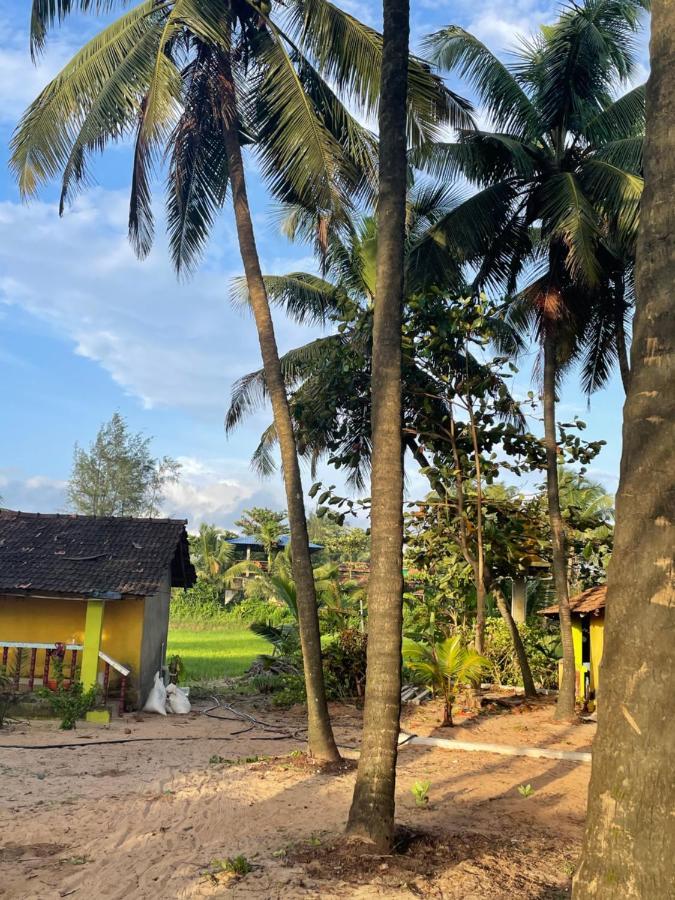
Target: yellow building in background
{"type": "Point", "coordinates": [588, 625]}
{"type": "Point", "coordinates": [92, 592]}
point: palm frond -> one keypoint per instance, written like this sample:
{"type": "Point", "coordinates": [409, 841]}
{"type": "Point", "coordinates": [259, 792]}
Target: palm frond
{"type": "Point", "coordinates": [301, 160]}
{"type": "Point", "coordinates": [625, 153]}
{"type": "Point", "coordinates": [468, 230]}
{"type": "Point", "coordinates": [262, 460]}
{"type": "Point", "coordinates": [116, 64]}
{"type": "Point", "coordinates": [250, 392]}
{"type": "Point", "coordinates": [349, 55]}
{"type": "Point", "coordinates": [454, 49]}
{"type": "Point", "coordinates": [589, 48]}
{"type": "Point", "coordinates": [198, 171]}
{"type": "Point", "coordinates": [306, 298]}
{"type": "Point", "coordinates": [480, 157]}
{"type": "Point", "coordinates": [569, 216]}
{"type": "Point", "coordinates": [45, 13]}
{"type": "Point", "coordinates": [624, 118]}
{"type": "Point", "coordinates": [599, 353]}
{"type": "Point", "coordinates": [613, 190]}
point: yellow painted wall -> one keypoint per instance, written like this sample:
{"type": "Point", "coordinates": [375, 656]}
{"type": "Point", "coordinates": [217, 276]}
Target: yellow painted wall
{"type": "Point", "coordinates": [52, 621]}
{"type": "Point", "coordinates": [577, 638]}
{"type": "Point", "coordinates": [597, 631]}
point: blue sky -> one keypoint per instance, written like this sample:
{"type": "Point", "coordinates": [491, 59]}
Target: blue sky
{"type": "Point", "coordinates": [86, 329]}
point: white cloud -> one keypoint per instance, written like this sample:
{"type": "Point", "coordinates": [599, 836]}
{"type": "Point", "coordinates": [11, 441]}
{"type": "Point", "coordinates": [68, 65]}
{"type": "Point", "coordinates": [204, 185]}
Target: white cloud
{"type": "Point", "coordinates": [37, 493]}
{"type": "Point", "coordinates": [20, 79]}
{"type": "Point", "coordinates": [213, 491]}
{"type": "Point", "coordinates": [209, 490]}
{"type": "Point", "coordinates": [169, 344]}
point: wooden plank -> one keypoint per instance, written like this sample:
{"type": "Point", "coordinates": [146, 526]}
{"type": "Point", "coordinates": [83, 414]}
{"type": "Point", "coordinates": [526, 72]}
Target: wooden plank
{"type": "Point", "coordinates": [113, 662]}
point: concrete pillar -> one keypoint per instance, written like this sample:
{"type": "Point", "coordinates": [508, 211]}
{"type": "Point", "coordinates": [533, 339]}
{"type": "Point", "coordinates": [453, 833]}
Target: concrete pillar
{"type": "Point", "coordinates": [93, 627]}
{"type": "Point", "coordinates": [519, 600]}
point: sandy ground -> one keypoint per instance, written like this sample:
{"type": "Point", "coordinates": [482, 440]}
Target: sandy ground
{"type": "Point", "coordinates": [152, 818]}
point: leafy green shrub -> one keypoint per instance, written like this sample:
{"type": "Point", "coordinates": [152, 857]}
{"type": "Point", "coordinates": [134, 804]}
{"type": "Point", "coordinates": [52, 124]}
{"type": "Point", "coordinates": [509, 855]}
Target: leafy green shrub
{"type": "Point", "coordinates": [70, 703]}
{"type": "Point", "coordinates": [266, 683]}
{"type": "Point", "coordinates": [541, 646]}
{"type": "Point", "coordinates": [198, 604]}
{"type": "Point", "coordinates": [255, 609]}
{"type": "Point", "coordinates": [202, 605]}
{"type": "Point", "coordinates": [238, 865]}
{"type": "Point", "coordinates": [344, 664]}
{"type": "Point", "coordinates": [291, 690]}
{"type": "Point", "coordinates": [176, 668]}
{"type": "Point", "coordinates": [8, 695]}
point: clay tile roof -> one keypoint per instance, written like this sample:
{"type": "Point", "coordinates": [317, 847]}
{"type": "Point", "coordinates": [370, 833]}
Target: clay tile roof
{"type": "Point", "coordinates": [586, 602]}
{"type": "Point", "coordinates": [91, 555]}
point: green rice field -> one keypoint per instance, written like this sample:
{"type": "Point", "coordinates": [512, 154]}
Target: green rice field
{"type": "Point", "coordinates": [213, 654]}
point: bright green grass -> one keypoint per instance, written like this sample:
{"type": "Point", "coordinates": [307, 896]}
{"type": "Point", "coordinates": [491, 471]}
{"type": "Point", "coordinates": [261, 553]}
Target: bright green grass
{"type": "Point", "coordinates": [220, 653]}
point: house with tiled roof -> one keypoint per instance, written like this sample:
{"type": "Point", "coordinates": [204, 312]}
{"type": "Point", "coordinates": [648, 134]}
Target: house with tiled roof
{"type": "Point", "coordinates": [588, 630]}
{"type": "Point", "coordinates": [91, 592]}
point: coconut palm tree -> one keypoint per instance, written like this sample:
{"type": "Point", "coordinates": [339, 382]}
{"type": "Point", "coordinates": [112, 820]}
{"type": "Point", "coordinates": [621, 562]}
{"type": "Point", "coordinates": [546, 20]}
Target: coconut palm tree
{"type": "Point", "coordinates": [211, 552]}
{"type": "Point", "coordinates": [629, 845]}
{"type": "Point", "coordinates": [444, 667]}
{"type": "Point", "coordinates": [329, 378]}
{"type": "Point", "coordinates": [371, 815]}
{"type": "Point", "coordinates": [194, 81]}
{"type": "Point", "coordinates": [564, 164]}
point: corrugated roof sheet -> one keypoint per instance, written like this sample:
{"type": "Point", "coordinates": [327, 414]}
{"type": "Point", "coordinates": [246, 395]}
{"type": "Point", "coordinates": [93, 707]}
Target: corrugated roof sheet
{"type": "Point", "coordinates": [250, 540]}
{"type": "Point", "coordinates": [91, 555]}
{"type": "Point", "coordinates": [586, 602]}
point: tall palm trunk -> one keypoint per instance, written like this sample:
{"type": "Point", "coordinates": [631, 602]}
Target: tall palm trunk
{"type": "Point", "coordinates": [620, 336]}
{"type": "Point", "coordinates": [629, 847]}
{"type": "Point", "coordinates": [321, 742]}
{"type": "Point", "coordinates": [566, 698]}
{"type": "Point", "coordinates": [372, 812]}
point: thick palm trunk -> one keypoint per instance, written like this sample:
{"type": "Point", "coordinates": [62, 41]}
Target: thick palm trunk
{"type": "Point", "coordinates": [372, 812]}
{"type": "Point", "coordinates": [629, 847]}
{"type": "Point", "coordinates": [566, 699]}
{"type": "Point", "coordinates": [321, 743]}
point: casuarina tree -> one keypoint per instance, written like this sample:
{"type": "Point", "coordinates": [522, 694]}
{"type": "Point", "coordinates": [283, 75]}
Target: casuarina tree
{"type": "Point", "coordinates": [194, 81]}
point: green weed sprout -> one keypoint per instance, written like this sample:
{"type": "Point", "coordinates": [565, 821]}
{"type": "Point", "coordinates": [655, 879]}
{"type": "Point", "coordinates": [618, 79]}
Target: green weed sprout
{"type": "Point", "coordinates": [420, 791]}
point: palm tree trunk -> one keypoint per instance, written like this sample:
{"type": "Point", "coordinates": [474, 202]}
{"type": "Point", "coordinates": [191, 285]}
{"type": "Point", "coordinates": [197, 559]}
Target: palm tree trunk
{"type": "Point", "coordinates": [371, 816]}
{"type": "Point", "coordinates": [480, 550]}
{"type": "Point", "coordinates": [620, 334]}
{"type": "Point", "coordinates": [629, 846]}
{"type": "Point", "coordinates": [447, 713]}
{"type": "Point", "coordinates": [321, 743]}
{"type": "Point", "coordinates": [565, 707]}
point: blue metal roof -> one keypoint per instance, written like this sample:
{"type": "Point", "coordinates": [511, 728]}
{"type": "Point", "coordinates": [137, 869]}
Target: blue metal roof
{"type": "Point", "coordinates": [249, 540]}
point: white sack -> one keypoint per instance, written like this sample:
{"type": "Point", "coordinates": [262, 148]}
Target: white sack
{"type": "Point", "coordinates": [177, 701]}
{"type": "Point", "coordinates": [156, 701]}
